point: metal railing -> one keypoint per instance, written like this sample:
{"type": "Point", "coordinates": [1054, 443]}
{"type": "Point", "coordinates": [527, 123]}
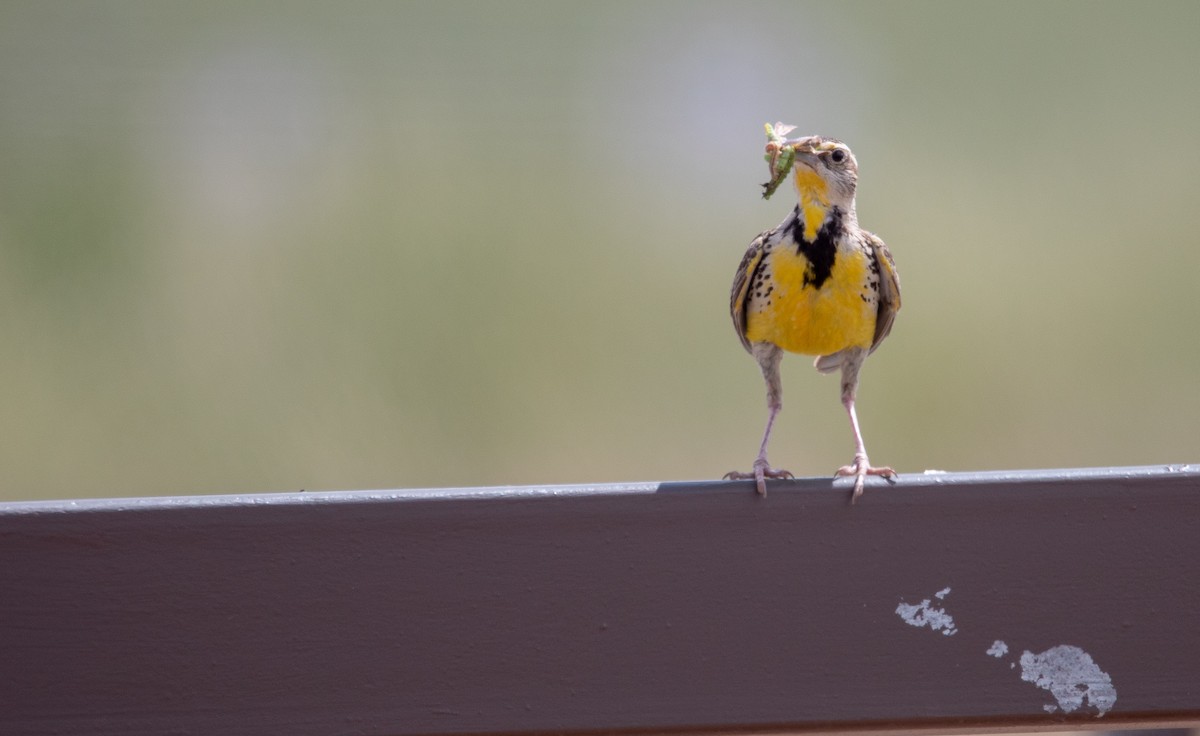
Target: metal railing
{"type": "Point", "coordinates": [942, 603]}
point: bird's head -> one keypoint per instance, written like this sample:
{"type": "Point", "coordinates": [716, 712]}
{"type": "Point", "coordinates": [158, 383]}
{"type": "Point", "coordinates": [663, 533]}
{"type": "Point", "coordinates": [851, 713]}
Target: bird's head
{"type": "Point", "coordinates": [826, 171]}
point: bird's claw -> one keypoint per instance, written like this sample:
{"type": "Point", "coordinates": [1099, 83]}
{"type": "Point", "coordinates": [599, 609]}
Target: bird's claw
{"type": "Point", "coordinates": [759, 475]}
{"type": "Point", "coordinates": [859, 471]}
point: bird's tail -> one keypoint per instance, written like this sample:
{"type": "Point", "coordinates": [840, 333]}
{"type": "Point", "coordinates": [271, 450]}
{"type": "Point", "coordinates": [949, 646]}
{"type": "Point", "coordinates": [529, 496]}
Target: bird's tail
{"type": "Point", "coordinates": [829, 363]}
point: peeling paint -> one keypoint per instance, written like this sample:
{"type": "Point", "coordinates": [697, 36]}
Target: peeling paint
{"type": "Point", "coordinates": [925, 614]}
{"type": "Point", "coordinates": [1067, 672]}
{"type": "Point", "coordinates": [1071, 677]}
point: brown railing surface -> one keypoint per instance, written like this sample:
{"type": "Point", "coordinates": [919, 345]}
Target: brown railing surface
{"type": "Point", "coordinates": [942, 603]}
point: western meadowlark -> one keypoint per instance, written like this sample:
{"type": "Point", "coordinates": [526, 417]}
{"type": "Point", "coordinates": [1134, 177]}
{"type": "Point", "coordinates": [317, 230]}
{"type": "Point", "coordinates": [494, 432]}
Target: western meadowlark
{"type": "Point", "coordinates": [817, 284]}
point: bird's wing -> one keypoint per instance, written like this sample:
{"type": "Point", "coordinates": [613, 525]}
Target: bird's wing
{"type": "Point", "coordinates": [741, 285]}
{"type": "Point", "coordinates": [889, 289]}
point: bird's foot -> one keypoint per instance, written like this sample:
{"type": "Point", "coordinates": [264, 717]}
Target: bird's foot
{"type": "Point", "coordinates": [759, 475]}
{"type": "Point", "coordinates": [859, 471]}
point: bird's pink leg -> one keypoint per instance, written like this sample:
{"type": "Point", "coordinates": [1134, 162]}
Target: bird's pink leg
{"type": "Point", "coordinates": [768, 357]}
{"type": "Point", "coordinates": [861, 467]}
{"type": "Point", "coordinates": [762, 469]}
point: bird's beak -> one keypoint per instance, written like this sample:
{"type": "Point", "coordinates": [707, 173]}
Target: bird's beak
{"type": "Point", "coordinates": [805, 153]}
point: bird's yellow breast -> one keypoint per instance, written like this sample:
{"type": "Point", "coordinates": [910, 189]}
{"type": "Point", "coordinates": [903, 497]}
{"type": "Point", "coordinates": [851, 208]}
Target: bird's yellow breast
{"type": "Point", "coordinates": [801, 318]}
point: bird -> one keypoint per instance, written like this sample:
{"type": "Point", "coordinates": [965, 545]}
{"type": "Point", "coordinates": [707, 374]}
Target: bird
{"type": "Point", "coordinates": [817, 284]}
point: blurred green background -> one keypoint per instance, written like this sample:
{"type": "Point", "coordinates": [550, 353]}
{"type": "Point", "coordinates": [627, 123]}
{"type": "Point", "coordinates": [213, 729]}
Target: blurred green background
{"type": "Point", "coordinates": [272, 246]}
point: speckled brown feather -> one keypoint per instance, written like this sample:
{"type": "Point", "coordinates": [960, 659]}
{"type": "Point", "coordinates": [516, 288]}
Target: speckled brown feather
{"type": "Point", "coordinates": [741, 283]}
{"type": "Point", "coordinates": [889, 288]}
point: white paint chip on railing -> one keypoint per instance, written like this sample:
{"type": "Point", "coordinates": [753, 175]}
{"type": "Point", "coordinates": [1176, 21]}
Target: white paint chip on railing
{"type": "Point", "coordinates": [1071, 676]}
{"type": "Point", "coordinates": [1067, 672]}
{"type": "Point", "coordinates": [925, 614]}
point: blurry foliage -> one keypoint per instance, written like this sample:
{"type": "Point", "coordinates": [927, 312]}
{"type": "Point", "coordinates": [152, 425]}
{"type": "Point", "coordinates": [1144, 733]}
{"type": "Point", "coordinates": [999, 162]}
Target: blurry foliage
{"type": "Point", "coordinates": [362, 245]}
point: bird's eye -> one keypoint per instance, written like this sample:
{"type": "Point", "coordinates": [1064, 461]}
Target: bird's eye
{"type": "Point", "coordinates": [838, 156]}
